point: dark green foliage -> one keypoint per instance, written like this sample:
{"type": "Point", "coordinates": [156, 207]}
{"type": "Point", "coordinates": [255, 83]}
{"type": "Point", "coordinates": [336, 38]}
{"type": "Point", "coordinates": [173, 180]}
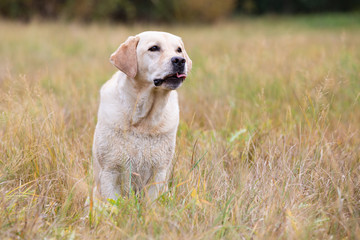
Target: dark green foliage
{"type": "Point", "coordinates": [296, 6]}
{"type": "Point", "coordinates": [163, 10]}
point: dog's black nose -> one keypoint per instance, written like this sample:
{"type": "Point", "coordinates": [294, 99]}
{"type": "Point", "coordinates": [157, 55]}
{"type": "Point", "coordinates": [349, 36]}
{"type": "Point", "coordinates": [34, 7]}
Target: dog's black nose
{"type": "Point", "coordinates": [178, 61]}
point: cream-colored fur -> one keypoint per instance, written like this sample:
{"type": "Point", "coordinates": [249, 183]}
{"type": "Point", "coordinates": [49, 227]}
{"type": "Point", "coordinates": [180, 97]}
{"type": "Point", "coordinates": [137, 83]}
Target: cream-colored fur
{"type": "Point", "coordinates": [135, 134]}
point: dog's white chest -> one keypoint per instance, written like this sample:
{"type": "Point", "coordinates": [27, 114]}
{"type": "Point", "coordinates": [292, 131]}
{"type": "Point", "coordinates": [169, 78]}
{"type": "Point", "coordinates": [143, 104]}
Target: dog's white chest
{"type": "Point", "coordinates": [141, 149]}
{"type": "Point", "coordinates": [119, 148]}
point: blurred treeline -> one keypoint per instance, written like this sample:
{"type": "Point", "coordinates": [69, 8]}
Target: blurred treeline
{"type": "Point", "coordinates": [163, 10]}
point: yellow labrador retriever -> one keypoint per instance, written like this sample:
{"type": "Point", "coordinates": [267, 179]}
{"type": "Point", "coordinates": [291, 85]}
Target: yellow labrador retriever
{"type": "Point", "coordinates": [138, 116]}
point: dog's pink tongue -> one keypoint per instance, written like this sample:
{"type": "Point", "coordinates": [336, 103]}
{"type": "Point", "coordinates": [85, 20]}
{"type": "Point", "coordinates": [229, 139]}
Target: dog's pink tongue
{"type": "Point", "coordinates": [181, 75]}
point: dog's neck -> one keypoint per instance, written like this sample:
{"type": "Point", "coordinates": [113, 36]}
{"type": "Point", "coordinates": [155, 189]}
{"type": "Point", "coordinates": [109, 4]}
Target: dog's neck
{"type": "Point", "coordinates": [147, 103]}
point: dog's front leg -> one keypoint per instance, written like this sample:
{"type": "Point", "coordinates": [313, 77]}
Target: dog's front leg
{"type": "Point", "coordinates": [159, 184]}
{"type": "Point", "coordinates": [110, 184]}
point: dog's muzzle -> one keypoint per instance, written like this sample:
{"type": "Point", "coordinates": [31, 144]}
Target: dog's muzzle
{"type": "Point", "coordinates": [172, 80]}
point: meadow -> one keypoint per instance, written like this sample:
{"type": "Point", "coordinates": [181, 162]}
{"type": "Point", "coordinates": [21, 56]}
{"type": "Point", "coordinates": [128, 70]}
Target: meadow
{"type": "Point", "coordinates": [268, 145]}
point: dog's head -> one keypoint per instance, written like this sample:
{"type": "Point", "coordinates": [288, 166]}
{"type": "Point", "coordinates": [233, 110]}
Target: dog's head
{"type": "Point", "coordinates": [158, 58]}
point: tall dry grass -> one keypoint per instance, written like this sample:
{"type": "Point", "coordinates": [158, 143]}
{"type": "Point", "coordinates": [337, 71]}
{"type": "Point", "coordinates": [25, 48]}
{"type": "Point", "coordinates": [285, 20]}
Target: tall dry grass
{"type": "Point", "coordinates": [267, 147]}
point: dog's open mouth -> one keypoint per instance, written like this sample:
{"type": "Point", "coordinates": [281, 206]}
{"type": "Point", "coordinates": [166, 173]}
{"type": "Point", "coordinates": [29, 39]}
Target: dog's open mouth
{"type": "Point", "coordinates": [172, 80]}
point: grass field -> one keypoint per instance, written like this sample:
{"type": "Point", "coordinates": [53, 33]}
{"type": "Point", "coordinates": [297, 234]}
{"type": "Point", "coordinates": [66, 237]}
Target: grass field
{"type": "Point", "coordinates": [268, 144]}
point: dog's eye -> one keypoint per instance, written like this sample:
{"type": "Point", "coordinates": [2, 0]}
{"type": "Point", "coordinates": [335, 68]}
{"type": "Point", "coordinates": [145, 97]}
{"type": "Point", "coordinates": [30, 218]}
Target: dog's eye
{"type": "Point", "coordinates": [154, 49]}
{"type": "Point", "coordinates": [179, 50]}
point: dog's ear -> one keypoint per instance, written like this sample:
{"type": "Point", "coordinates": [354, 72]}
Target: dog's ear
{"type": "Point", "coordinates": [188, 60]}
{"type": "Point", "coordinates": [124, 58]}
